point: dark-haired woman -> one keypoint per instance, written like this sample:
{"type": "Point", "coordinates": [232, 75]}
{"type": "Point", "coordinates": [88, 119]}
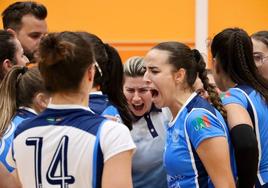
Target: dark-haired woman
{"type": "Point", "coordinates": [11, 53]}
{"type": "Point", "coordinates": [260, 51]}
{"type": "Point", "coordinates": [68, 145]}
{"type": "Point", "coordinates": [246, 102]}
{"type": "Point", "coordinates": [23, 96]}
{"type": "Point", "coordinates": [197, 152]}
{"type": "Point", "coordinates": [106, 96]}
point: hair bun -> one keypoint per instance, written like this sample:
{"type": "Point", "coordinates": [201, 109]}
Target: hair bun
{"type": "Point", "coordinates": [55, 50]}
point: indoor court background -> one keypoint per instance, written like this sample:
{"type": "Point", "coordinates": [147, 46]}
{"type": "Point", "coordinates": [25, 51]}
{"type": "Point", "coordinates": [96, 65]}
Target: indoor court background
{"type": "Point", "coordinates": [135, 26]}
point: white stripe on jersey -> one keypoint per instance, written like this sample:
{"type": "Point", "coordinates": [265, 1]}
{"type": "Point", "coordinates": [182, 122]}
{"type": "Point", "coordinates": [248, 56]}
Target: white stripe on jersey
{"type": "Point", "coordinates": [257, 132]}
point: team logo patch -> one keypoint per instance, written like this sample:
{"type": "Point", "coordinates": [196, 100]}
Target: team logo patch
{"type": "Point", "coordinates": [201, 122]}
{"type": "Point", "coordinates": [225, 94]}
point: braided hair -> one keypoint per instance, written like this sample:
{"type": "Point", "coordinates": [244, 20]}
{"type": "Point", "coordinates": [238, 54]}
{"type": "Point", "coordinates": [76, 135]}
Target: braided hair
{"type": "Point", "coordinates": [234, 50]}
{"type": "Point", "coordinates": [211, 89]}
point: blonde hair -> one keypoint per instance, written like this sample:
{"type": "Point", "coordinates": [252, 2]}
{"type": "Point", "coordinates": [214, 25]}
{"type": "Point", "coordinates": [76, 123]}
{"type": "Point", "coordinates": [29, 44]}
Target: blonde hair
{"type": "Point", "coordinates": [18, 88]}
{"type": "Point", "coordinates": [133, 67]}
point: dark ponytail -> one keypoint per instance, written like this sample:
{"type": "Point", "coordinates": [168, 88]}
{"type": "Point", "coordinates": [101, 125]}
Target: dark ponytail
{"type": "Point", "coordinates": [112, 85]}
{"type": "Point", "coordinates": [110, 80]}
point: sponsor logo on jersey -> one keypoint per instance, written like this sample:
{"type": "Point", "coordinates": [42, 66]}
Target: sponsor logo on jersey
{"type": "Point", "coordinates": [201, 123]}
{"type": "Point", "coordinates": [54, 119]}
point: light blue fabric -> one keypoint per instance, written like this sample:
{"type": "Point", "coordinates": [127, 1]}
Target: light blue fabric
{"type": "Point", "coordinates": [255, 104]}
{"type": "Point", "coordinates": [6, 141]}
{"type": "Point", "coordinates": [196, 121]}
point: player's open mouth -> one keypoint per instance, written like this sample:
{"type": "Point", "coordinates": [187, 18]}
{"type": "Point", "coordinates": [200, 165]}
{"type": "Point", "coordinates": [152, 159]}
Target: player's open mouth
{"type": "Point", "coordinates": [138, 107]}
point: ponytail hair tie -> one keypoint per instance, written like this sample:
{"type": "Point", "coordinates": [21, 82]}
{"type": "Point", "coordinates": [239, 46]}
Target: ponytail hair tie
{"type": "Point", "coordinates": [197, 55]}
{"type": "Point", "coordinates": [22, 71]}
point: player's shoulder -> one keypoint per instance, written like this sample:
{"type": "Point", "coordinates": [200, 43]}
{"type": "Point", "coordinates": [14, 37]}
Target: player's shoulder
{"type": "Point", "coordinates": [200, 103]}
{"type": "Point", "coordinates": [110, 125]}
{"type": "Point", "coordinates": [84, 120]}
{"type": "Point", "coordinates": [234, 95]}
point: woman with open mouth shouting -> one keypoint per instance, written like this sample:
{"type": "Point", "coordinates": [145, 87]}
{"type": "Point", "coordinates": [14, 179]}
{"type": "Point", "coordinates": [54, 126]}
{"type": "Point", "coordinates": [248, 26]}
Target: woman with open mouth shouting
{"type": "Point", "coordinates": [148, 131]}
{"type": "Point", "coordinates": [197, 151]}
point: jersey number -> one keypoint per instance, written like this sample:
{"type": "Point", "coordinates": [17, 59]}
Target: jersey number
{"type": "Point", "coordinates": [58, 163]}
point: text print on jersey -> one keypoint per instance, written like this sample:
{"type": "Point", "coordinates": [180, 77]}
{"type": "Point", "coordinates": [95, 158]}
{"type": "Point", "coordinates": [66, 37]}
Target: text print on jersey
{"type": "Point", "coordinates": [59, 161]}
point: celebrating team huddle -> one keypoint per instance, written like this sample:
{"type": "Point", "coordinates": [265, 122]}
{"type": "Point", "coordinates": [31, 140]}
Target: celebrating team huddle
{"type": "Point", "coordinates": [73, 115]}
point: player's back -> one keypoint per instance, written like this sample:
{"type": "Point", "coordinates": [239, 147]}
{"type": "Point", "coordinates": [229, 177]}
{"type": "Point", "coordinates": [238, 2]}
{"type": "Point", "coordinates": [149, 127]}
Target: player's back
{"type": "Point", "coordinates": [60, 148]}
{"type": "Point", "coordinates": [257, 108]}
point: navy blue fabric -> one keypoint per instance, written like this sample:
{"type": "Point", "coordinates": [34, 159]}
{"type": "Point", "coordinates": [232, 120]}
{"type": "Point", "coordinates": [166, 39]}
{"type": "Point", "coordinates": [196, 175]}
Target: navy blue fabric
{"type": "Point", "coordinates": [25, 114]}
{"type": "Point", "coordinates": [153, 109]}
{"type": "Point", "coordinates": [98, 103]}
{"type": "Point", "coordinates": [79, 118]}
{"type": "Point", "coordinates": [203, 177]}
{"type": "Point", "coordinates": [200, 102]}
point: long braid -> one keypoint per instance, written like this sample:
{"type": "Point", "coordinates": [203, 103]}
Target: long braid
{"type": "Point", "coordinates": [248, 76]}
{"type": "Point", "coordinates": [213, 95]}
{"type": "Point", "coordinates": [239, 48]}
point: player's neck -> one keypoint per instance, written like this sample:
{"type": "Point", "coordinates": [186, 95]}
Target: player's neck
{"type": "Point", "coordinates": [70, 98]}
{"type": "Point", "coordinates": [179, 101]}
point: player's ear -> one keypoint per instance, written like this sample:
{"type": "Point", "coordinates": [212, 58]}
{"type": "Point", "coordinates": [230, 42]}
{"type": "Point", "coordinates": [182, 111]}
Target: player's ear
{"type": "Point", "coordinates": [91, 73]}
{"type": "Point", "coordinates": [7, 65]}
{"type": "Point", "coordinates": [179, 75]}
{"type": "Point", "coordinates": [40, 101]}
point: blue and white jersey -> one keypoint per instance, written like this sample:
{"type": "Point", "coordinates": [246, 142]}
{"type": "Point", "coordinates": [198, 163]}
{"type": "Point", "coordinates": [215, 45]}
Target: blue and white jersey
{"type": "Point", "coordinates": [255, 104]}
{"type": "Point", "coordinates": [6, 142]}
{"type": "Point", "coordinates": [196, 121]}
{"type": "Point", "coordinates": [100, 104]}
{"type": "Point", "coordinates": [66, 146]}
{"type": "Point", "coordinates": [148, 134]}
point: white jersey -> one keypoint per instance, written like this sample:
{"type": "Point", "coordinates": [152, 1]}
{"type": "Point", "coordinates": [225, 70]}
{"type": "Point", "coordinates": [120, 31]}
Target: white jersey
{"type": "Point", "coordinates": [66, 146]}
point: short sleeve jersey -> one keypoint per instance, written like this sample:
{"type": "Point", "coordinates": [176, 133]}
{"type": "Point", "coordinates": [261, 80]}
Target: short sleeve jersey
{"type": "Point", "coordinates": [67, 146]}
{"type": "Point", "coordinates": [196, 121]}
{"type": "Point", "coordinates": [257, 108]}
{"type": "Point", "coordinates": [6, 141]}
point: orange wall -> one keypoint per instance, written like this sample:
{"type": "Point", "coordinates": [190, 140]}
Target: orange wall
{"type": "Point", "coordinates": [123, 23]}
{"type": "Point", "coordinates": [250, 15]}
{"type": "Point", "coordinates": [135, 26]}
